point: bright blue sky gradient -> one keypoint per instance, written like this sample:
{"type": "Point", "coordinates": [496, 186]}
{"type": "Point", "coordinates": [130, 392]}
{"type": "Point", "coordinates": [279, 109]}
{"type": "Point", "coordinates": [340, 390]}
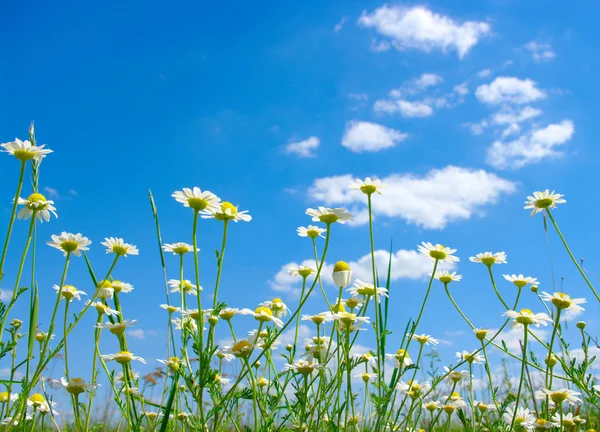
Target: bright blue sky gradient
{"type": "Point", "coordinates": [138, 95]}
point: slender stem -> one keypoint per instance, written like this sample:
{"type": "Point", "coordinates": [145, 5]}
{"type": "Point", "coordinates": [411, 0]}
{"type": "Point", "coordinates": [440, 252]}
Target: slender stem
{"type": "Point", "coordinates": [12, 217]}
{"type": "Point", "coordinates": [199, 299]}
{"type": "Point", "coordinates": [548, 379]}
{"type": "Point", "coordinates": [495, 288]}
{"type": "Point", "coordinates": [298, 318]}
{"type": "Point", "coordinates": [97, 333]}
{"type": "Point", "coordinates": [571, 255]}
{"type": "Point", "coordinates": [220, 262]}
{"type": "Point", "coordinates": [522, 378]}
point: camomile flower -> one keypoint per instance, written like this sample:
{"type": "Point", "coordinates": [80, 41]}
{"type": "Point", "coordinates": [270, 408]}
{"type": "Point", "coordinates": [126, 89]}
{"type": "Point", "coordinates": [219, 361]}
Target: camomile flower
{"type": "Point", "coordinates": [117, 328]}
{"type": "Point", "coordinates": [319, 318]}
{"type": "Point", "coordinates": [104, 290]}
{"type": "Point", "coordinates": [262, 382]}
{"type": "Point", "coordinates": [173, 363]}
{"type": "Point", "coordinates": [197, 200]}
{"type": "Point", "coordinates": [567, 421]}
{"type": "Point", "coordinates": [5, 397]}
{"type": "Point", "coordinates": [120, 378]}
{"type": "Point", "coordinates": [481, 333]}
{"type": "Point", "coordinates": [241, 349]}
{"type": "Point", "coordinates": [543, 424]}
{"type": "Point", "coordinates": [413, 388]}
{"type": "Point", "coordinates": [431, 406]}
{"type": "Point", "coordinates": [353, 302]}
{"type": "Point", "coordinates": [119, 247]}
{"type": "Point", "coordinates": [445, 277]}
{"type": "Point", "coordinates": [38, 403]}
{"type": "Point", "coordinates": [265, 314]}
{"type": "Point", "coordinates": [526, 317]}
{"type": "Point", "coordinates": [228, 313]}
{"type": "Point", "coordinates": [222, 381]}
{"type": "Point", "coordinates": [69, 243]}
{"type": "Point", "coordinates": [122, 357]}
{"type": "Point", "coordinates": [277, 306]}
{"type": "Point", "coordinates": [311, 231]}
{"type": "Point", "coordinates": [103, 309]}
{"type": "Point", "coordinates": [302, 271]}
{"type": "Point", "coordinates": [470, 357]}
{"type": "Point", "coordinates": [366, 289]}
{"type": "Point", "coordinates": [489, 258]}
{"type": "Point", "coordinates": [170, 308]}
{"type": "Point", "coordinates": [36, 204]}
{"type": "Point", "coordinates": [304, 367]}
{"type": "Point", "coordinates": [342, 274]}
{"type": "Point", "coordinates": [524, 419]}
{"type": "Point", "coordinates": [559, 396]}
{"type": "Point", "coordinates": [123, 287]}
{"type": "Point", "coordinates": [521, 281]}
{"type": "Point", "coordinates": [366, 358]}
{"type": "Point", "coordinates": [25, 151]}
{"type": "Point", "coordinates": [367, 186]}
{"type": "Point", "coordinates": [222, 354]}
{"type": "Point", "coordinates": [424, 339]}
{"type": "Point", "coordinates": [76, 386]}
{"type": "Point", "coordinates": [457, 376]}
{"type": "Point", "coordinates": [179, 248]}
{"type": "Point", "coordinates": [196, 315]}
{"type": "Point", "coordinates": [366, 377]}
{"type": "Point", "coordinates": [350, 321]}
{"type": "Point", "coordinates": [438, 252]}
{"type": "Point", "coordinates": [329, 215]}
{"type": "Point", "coordinates": [227, 212]}
{"type": "Point", "coordinates": [187, 323]}
{"type": "Point", "coordinates": [69, 292]}
{"type": "Point", "coordinates": [541, 201]}
{"type": "Point", "coordinates": [483, 407]}
{"type": "Point", "coordinates": [400, 356]}
{"type": "Point", "coordinates": [188, 286]}
{"type": "Point", "coordinates": [564, 301]}
{"type": "Point", "coordinates": [452, 404]}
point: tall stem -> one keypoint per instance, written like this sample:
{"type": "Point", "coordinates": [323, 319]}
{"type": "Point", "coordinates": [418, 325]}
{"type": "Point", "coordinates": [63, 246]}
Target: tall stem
{"type": "Point", "coordinates": [522, 378]}
{"type": "Point", "coordinates": [220, 262]}
{"type": "Point", "coordinates": [200, 326]}
{"type": "Point", "coordinates": [12, 218]}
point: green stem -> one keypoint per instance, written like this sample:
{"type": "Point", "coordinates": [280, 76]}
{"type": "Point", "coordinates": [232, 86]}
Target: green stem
{"type": "Point", "coordinates": [12, 217]}
{"type": "Point", "coordinates": [495, 288]}
{"type": "Point", "coordinates": [220, 262]}
{"type": "Point", "coordinates": [522, 378]}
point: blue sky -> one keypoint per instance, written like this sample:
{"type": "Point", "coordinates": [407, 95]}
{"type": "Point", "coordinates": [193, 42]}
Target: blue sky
{"type": "Point", "coordinates": [464, 109]}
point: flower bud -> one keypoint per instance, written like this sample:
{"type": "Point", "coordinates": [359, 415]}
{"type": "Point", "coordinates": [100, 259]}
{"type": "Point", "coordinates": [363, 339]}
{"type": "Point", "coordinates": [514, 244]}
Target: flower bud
{"type": "Point", "coordinates": [534, 288]}
{"type": "Point", "coordinates": [581, 325]}
{"type": "Point", "coordinates": [551, 361]}
{"type": "Point", "coordinates": [289, 347]}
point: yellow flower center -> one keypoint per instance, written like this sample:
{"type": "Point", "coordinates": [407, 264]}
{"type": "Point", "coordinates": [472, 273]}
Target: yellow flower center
{"type": "Point", "coordinates": [352, 302]}
{"type": "Point", "coordinates": [187, 286]}
{"type": "Point", "coordinates": [37, 399]}
{"type": "Point", "coordinates": [561, 300]}
{"type": "Point", "coordinates": [105, 284]}
{"type": "Point", "coordinates": [69, 246]}
{"type": "Point", "coordinates": [438, 253]}
{"type": "Point", "coordinates": [76, 386]}
{"type": "Point", "coordinates": [305, 368]}
{"type": "Point", "coordinates": [24, 155]}
{"type": "Point", "coordinates": [481, 334]}
{"type": "Point", "coordinates": [276, 304]}
{"type": "Point", "coordinates": [117, 285]}
{"type": "Point", "coordinates": [449, 409]}
{"type": "Point", "coordinates": [338, 308]}
{"type": "Point", "coordinates": [174, 364]}
{"type": "Point", "coordinates": [365, 377]}
{"type": "Point", "coordinates": [181, 249]}
{"type": "Point", "coordinates": [431, 406]}
{"type": "Point", "coordinates": [368, 189]}
{"type": "Point", "coordinates": [263, 382]}
{"type": "Point", "coordinates": [37, 201]}
{"type": "Point", "coordinates": [525, 318]}
{"type": "Point", "coordinates": [341, 266]}
{"type": "Point", "coordinates": [482, 407]}
{"type": "Point", "coordinates": [223, 214]}
{"type": "Point", "coordinates": [68, 292]}
{"type": "Point", "coordinates": [197, 203]}
{"type": "Point", "coordinates": [227, 314]}
{"type": "Point", "coordinates": [242, 348]}
{"type": "Point", "coordinates": [118, 329]}
{"type": "Point", "coordinates": [312, 233]}
{"type": "Point", "coordinates": [119, 250]}
{"type": "Point", "coordinates": [445, 279]}
{"type": "Point", "coordinates": [3, 397]}
{"type": "Point", "coordinates": [366, 290]}
{"type": "Point", "coordinates": [263, 314]}
{"type": "Point", "coordinates": [328, 218]}
{"type": "Point", "coordinates": [488, 261]}
{"type": "Point", "coordinates": [455, 396]}
{"type": "Point", "coordinates": [317, 319]}
{"type": "Point", "coordinates": [544, 203]}
{"type": "Point", "coordinates": [347, 318]}
{"type": "Point", "coordinates": [40, 337]}
{"type": "Point", "coordinates": [421, 339]}
{"type": "Point", "coordinates": [305, 272]}
{"type": "Point", "coordinates": [123, 357]}
{"type": "Point", "coordinates": [558, 396]}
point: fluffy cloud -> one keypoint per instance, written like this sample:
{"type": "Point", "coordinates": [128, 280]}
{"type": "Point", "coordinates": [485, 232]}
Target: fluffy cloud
{"type": "Point", "coordinates": [419, 28]}
{"type": "Point", "coordinates": [403, 107]}
{"type": "Point", "coordinates": [515, 116]}
{"type": "Point", "coordinates": [532, 147]}
{"type": "Point", "coordinates": [304, 148]}
{"type": "Point", "coordinates": [509, 90]}
{"type": "Point", "coordinates": [362, 136]}
{"type": "Point", "coordinates": [540, 52]}
{"type": "Point", "coordinates": [430, 201]}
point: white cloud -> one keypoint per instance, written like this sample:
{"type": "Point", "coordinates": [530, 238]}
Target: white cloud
{"type": "Point", "coordinates": [484, 73]}
{"type": "Point", "coordinates": [512, 129]}
{"type": "Point", "coordinates": [304, 148]}
{"type": "Point", "coordinates": [513, 338]}
{"type": "Point", "coordinates": [362, 136]}
{"type": "Point", "coordinates": [5, 295]}
{"type": "Point", "coordinates": [428, 80]}
{"type": "Point", "coordinates": [51, 192]}
{"type": "Point", "coordinates": [140, 334]}
{"type": "Point", "coordinates": [405, 108]}
{"type": "Point", "coordinates": [419, 28]}
{"type": "Point", "coordinates": [511, 90]}
{"type": "Point", "coordinates": [532, 147]}
{"type": "Point", "coordinates": [540, 52]}
{"type": "Point", "coordinates": [510, 116]}
{"type": "Point", "coordinates": [461, 89]}
{"type": "Point", "coordinates": [340, 24]}
{"type": "Point", "coordinates": [430, 201]}
{"type": "Point", "coordinates": [283, 282]}
{"type": "Point", "coordinates": [477, 128]}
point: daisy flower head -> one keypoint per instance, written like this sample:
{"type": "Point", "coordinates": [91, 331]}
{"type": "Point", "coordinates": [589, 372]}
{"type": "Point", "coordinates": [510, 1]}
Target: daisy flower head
{"type": "Point", "coordinates": [366, 358]}
{"type": "Point", "coordinates": [400, 358]}
{"type": "Point", "coordinates": [25, 151]}
{"type": "Point", "coordinates": [413, 388]}
{"type": "Point", "coordinates": [311, 231]}
{"type": "Point", "coordinates": [329, 215]}
{"type": "Point", "coordinates": [445, 277]}
{"type": "Point", "coordinates": [36, 204]}
{"type": "Point", "coordinates": [541, 201]}
{"type": "Point", "coordinates": [122, 357]}
{"type": "Point", "coordinates": [241, 349]}
{"type": "Point", "coordinates": [303, 367]}
{"type": "Point", "coordinates": [76, 386]}
{"type": "Point", "coordinates": [173, 363]}
{"type": "Point", "coordinates": [5, 397]}
{"type": "Point", "coordinates": [228, 313]}
{"type": "Point", "coordinates": [102, 309]}
{"type": "Point", "coordinates": [69, 292]}
{"type": "Point", "coordinates": [521, 281]}
{"type": "Point", "coordinates": [187, 287]}
{"type": "Point", "coordinates": [197, 200]}
{"type": "Point", "coordinates": [119, 247]}
{"type": "Point", "coordinates": [38, 403]}
{"type": "Point", "coordinates": [354, 302]}
{"type": "Point", "coordinates": [368, 186]}
{"type": "Point", "coordinates": [456, 376]}
{"type": "Point", "coordinates": [319, 318]}
{"type": "Point", "coordinates": [342, 274]}
{"type": "Point", "coordinates": [431, 406]}
{"type": "Point", "coordinates": [179, 248]}
{"type": "Point", "coordinates": [438, 252]}
{"type": "Point", "coordinates": [277, 306]}
{"type": "Point", "coordinates": [302, 271]}
{"type": "Point", "coordinates": [453, 404]}
{"type": "Point", "coordinates": [118, 328]}
{"type": "Point", "coordinates": [481, 333]}
{"type": "Point", "coordinates": [350, 321]}
{"type": "Point", "coordinates": [567, 421]}
{"type": "Point", "coordinates": [223, 354]}
{"type": "Point", "coordinates": [564, 301]}
{"type": "Point", "coordinates": [41, 337]}
{"type": "Point", "coordinates": [265, 314]}
{"type": "Point", "coordinates": [123, 287]}
{"type": "Point", "coordinates": [366, 377]}
{"type": "Point", "coordinates": [469, 357]}
{"type": "Point", "coordinates": [185, 323]}
{"type": "Point", "coordinates": [104, 290]}
{"type": "Point", "coordinates": [69, 243]}
{"type": "Point", "coordinates": [366, 289]}
{"type": "Point", "coordinates": [489, 258]}
{"type": "Point", "coordinates": [559, 396]}
{"type": "Point", "coordinates": [218, 379]}
{"type": "Point", "coordinates": [483, 407]}
{"type": "Point", "coordinates": [525, 318]}
{"type": "Point", "coordinates": [170, 308]}
{"type": "Point", "coordinates": [424, 339]}
{"type": "Point", "coordinates": [227, 212]}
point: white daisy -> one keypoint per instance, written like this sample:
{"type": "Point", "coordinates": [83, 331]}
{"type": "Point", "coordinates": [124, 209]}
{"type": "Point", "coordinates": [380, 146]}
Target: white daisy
{"type": "Point", "coordinates": [413, 388]}
{"type": "Point", "coordinates": [457, 376]}
{"type": "Point", "coordinates": [186, 323]}
{"type": "Point", "coordinates": [329, 215]}
{"type": "Point", "coordinates": [229, 313]}
{"type": "Point", "coordinates": [304, 367]}
{"type": "Point", "coordinates": [521, 281]}
{"type": "Point", "coordinates": [424, 339]}
{"type": "Point", "coordinates": [469, 357]}
{"type": "Point", "coordinates": [188, 286]}
{"type": "Point", "coordinates": [438, 252]}
{"type": "Point", "coordinates": [350, 321]}
{"type": "Point", "coordinates": [179, 248]}
{"type": "Point", "coordinates": [196, 199]}
{"type": "Point", "coordinates": [170, 308]}
{"type": "Point", "coordinates": [366, 357]}
{"type": "Point", "coordinates": [564, 301]}
{"type": "Point", "coordinates": [526, 317]}
{"type": "Point", "coordinates": [241, 349]}
{"type": "Point", "coordinates": [559, 396]}
{"type": "Point", "coordinates": [69, 292]}
{"type": "Point", "coordinates": [311, 231]}
{"type": "Point", "coordinates": [173, 363]}
{"type": "Point", "coordinates": [38, 204]}
{"type": "Point", "coordinates": [265, 314]}
{"type": "Point", "coordinates": [445, 277]}
{"type": "Point", "coordinates": [70, 243]}
{"type": "Point", "coordinates": [103, 309]}
{"type": "Point", "coordinates": [117, 328]}
{"type": "Point", "coordinates": [302, 271]}
{"type": "Point", "coordinates": [366, 289]}
{"type": "Point", "coordinates": [222, 354]}
{"type": "Point", "coordinates": [367, 186]}
{"type": "Point", "coordinates": [319, 318]}
{"type": "Point", "coordinates": [222, 381]}
{"type": "Point", "coordinates": [400, 356]}
{"type": "Point", "coordinates": [25, 151]}
{"type": "Point", "coordinates": [489, 258]}
{"type": "Point", "coordinates": [119, 247]}
{"type": "Point", "coordinates": [541, 201]}
{"type": "Point", "coordinates": [277, 306]}
{"type": "Point", "coordinates": [122, 357]}
{"type": "Point", "coordinates": [121, 287]}
{"type": "Point", "coordinates": [77, 386]}
{"type": "Point", "coordinates": [366, 377]}
{"type": "Point", "coordinates": [567, 422]}
{"type": "Point", "coordinates": [227, 212]}
{"type": "Point", "coordinates": [524, 419]}
{"type": "Point", "coordinates": [484, 407]}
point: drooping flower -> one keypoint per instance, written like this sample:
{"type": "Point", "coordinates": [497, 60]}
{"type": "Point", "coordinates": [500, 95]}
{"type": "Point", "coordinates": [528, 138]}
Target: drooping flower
{"type": "Point", "coordinates": [70, 243]}
{"type": "Point", "coordinates": [489, 258]}
{"type": "Point", "coordinates": [438, 252]}
{"type": "Point", "coordinates": [367, 186]}
{"type": "Point", "coordinates": [197, 200]}
{"type": "Point", "coordinates": [484, 407]}
{"type": "Point", "coordinates": [400, 358]}
{"type": "Point", "coordinates": [117, 328]}
{"type": "Point", "coordinates": [227, 212]}
{"type": "Point", "coordinates": [119, 247]}
{"type": "Point", "coordinates": [277, 306]}
{"type": "Point", "coordinates": [265, 314]}
{"type": "Point", "coordinates": [173, 363]}
{"type": "Point", "coordinates": [104, 290]}
{"type": "Point", "coordinates": [559, 396]}
{"type": "Point", "coordinates": [350, 321]}
{"type": "Point", "coordinates": [366, 377]}
{"type": "Point", "coordinates": [170, 308]}
{"type": "Point", "coordinates": [311, 231]}
{"type": "Point", "coordinates": [121, 287]}
{"type": "Point", "coordinates": [103, 309]}
{"type": "Point", "coordinates": [25, 151]}
{"type": "Point", "coordinates": [413, 388]}
{"type": "Point", "coordinates": [302, 271]}
{"type": "Point", "coordinates": [319, 318]}
{"type": "Point", "coordinates": [457, 376]}
{"type": "Point", "coordinates": [36, 204]}
{"type": "Point", "coordinates": [329, 215]}
{"type": "Point", "coordinates": [541, 201]}
{"type": "Point", "coordinates": [228, 313]}
{"type": "Point", "coordinates": [366, 357]}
